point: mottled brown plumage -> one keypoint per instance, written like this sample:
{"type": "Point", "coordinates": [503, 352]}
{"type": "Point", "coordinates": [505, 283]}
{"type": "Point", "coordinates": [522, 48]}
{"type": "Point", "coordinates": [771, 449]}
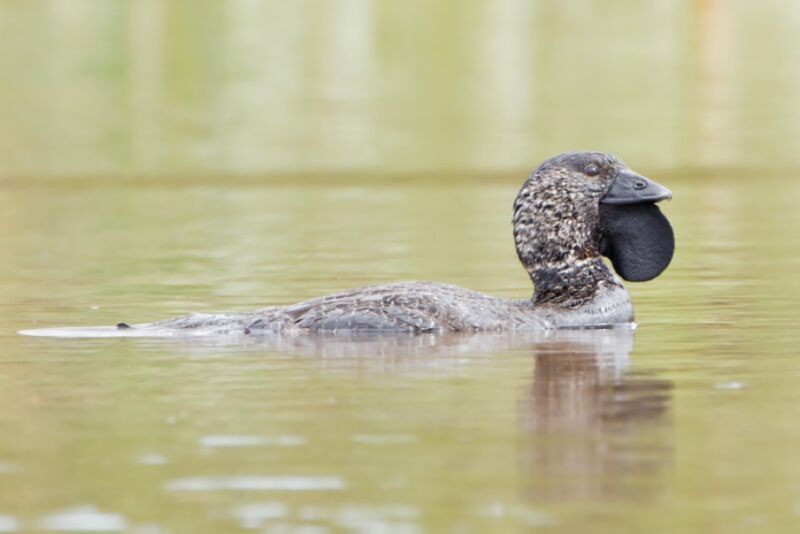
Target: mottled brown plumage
{"type": "Point", "coordinates": [557, 228]}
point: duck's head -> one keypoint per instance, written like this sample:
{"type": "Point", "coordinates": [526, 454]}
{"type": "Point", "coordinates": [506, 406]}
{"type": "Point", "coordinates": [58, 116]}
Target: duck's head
{"type": "Point", "coordinates": [579, 205]}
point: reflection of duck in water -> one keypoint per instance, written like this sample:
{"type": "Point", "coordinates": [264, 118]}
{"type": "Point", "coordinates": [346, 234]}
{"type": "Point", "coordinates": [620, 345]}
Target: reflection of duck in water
{"type": "Point", "coordinates": [586, 427]}
{"type": "Point", "coordinates": [593, 430]}
{"type": "Point", "coordinates": [571, 209]}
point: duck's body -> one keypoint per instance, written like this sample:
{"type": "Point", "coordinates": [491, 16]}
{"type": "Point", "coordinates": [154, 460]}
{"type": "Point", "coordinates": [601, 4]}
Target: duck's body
{"type": "Point", "coordinates": [560, 231]}
{"type": "Point", "coordinates": [413, 307]}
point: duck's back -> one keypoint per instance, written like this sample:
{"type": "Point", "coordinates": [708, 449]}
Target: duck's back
{"type": "Point", "coordinates": [399, 307]}
{"type": "Point", "coordinates": [409, 306]}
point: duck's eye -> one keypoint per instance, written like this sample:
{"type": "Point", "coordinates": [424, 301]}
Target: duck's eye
{"type": "Point", "coordinates": [592, 169]}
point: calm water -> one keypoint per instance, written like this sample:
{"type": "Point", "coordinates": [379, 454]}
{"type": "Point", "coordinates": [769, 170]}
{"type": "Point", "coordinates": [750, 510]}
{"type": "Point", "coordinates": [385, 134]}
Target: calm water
{"type": "Point", "coordinates": [691, 423]}
{"type": "Point", "coordinates": [159, 158]}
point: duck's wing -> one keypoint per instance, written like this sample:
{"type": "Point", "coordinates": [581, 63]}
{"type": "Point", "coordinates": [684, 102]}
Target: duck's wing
{"type": "Point", "coordinates": [403, 307]}
{"type": "Point", "coordinates": [389, 308]}
{"type": "Point", "coordinates": [366, 317]}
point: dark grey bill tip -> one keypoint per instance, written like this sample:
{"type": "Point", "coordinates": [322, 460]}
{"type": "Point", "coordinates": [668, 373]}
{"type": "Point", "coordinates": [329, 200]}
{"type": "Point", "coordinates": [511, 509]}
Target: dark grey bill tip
{"type": "Point", "coordinates": [631, 188]}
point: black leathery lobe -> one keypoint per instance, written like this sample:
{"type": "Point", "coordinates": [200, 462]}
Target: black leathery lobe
{"type": "Point", "coordinates": [637, 238]}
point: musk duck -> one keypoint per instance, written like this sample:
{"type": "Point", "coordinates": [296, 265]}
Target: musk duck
{"type": "Point", "coordinates": [571, 210]}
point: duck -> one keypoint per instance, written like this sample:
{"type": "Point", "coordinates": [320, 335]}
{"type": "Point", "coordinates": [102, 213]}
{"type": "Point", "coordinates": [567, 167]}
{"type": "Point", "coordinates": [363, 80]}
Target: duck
{"type": "Point", "coordinates": [572, 210]}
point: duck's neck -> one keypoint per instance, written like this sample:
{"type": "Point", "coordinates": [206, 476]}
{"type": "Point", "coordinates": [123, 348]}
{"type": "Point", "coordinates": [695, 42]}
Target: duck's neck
{"type": "Point", "coordinates": [570, 286]}
{"type": "Point", "coordinates": [557, 243]}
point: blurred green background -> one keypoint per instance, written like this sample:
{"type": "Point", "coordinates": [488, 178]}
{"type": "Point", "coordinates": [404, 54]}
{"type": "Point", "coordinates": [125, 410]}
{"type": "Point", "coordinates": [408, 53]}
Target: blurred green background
{"type": "Point", "coordinates": [243, 87]}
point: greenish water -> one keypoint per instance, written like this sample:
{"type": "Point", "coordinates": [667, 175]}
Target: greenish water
{"type": "Point", "coordinates": [159, 158]}
{"type": "Point", "coordinates": [691, 425]}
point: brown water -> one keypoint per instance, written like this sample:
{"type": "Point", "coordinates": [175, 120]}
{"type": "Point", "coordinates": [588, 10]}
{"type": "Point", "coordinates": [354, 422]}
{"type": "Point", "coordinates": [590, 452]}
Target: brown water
{"type": "Point", "coordinates": [163, 158]}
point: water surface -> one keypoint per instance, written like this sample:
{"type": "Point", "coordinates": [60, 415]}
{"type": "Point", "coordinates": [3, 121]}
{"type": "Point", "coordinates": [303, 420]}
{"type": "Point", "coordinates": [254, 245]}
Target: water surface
{"type": "Point", "coordinates": [689, 421]}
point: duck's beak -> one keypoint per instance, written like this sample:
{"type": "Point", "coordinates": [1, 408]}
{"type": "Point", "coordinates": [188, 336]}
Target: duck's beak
{"type": "Point", "coordinates": [635, 235]}
{"type": "Point", "coordinates": [631, 188]}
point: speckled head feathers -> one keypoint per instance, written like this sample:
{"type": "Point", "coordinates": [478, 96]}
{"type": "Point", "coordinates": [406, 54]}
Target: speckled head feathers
{"type": "Point", "coordinates": [590, 173]}
{"type": "Point", "coordinates": [557, 223]}
{"type": "Point", "coordinates": [578, 161]}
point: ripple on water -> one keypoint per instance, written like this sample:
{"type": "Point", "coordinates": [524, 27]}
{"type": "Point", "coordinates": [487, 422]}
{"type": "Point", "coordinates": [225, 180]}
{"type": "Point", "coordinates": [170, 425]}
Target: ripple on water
{"type": "Point", "coordinates": [222, 441]}
{"type": "Point", "coordinates": [365, 518]}
{"type": "Point", "coordinates": [528, 516]}
{"type": "Point", "coordinates": [8, 523]}
{"type": "Point", "coordinates": [731, 386]}
{"type": "Point", "coordinates": [254, 515]}
{"type": "Point", "coordinates": [152, 459]}
{"type": "Point", "coordinates": [256, 483]}
{"type": "Point", "coordinates": [10, 468]}
{"type": "Point", "coordinates": [383, 439]}
{"type": "Point", "coordinates": [83, 519]}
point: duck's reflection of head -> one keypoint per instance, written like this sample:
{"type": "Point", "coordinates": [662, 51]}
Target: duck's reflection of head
{"type": "Point", "coordinates": [591, 428]}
